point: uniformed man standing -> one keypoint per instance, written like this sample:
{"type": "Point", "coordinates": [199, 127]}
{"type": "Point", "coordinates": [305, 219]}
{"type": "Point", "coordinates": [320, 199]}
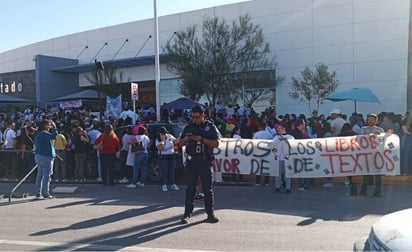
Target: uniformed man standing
{"type": "Point", "coordinates": [200, 137]}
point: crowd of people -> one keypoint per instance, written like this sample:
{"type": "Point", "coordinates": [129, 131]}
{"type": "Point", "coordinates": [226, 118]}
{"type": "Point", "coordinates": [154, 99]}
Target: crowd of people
{"type": "Point", "coordinates": [78, 131]}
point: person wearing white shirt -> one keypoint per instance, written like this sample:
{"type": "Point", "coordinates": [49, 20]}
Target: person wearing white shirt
{"type": "Point", "coordinates": [165, 143]}
{"type": "Point", "coordinates": [132, 115]}
{"type": "Point", "coordinates": [140, 158]}
{"type": "Point", "coordinates": [230, 111]}
{"type": "Point", "coordinates": [262, 134]}
{"type": "Point", "coordinates": [93, 134]}
{"type": "Point", "coordinates": [9, 137]}
{"type": "Point", "coordinates": [337, 122]}
{"type": "Point", "coordinates": [281, 154]}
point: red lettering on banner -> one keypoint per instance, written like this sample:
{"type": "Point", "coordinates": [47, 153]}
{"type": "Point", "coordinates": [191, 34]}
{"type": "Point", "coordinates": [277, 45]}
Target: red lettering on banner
{"type": "Point", "coordinates": [378, 161]}
{"type": "Point", "coordinates": [357, 164]}
{"type": "Point", "coordinates": [342, 163]}
{"type": "Point", "coordinates": [228, 165]}
{"type": "Point", "coordinates": [354, 144]}
{"type": "Point", "coordinates": [373, 142]}
{"type": "Point", "coordinates": [358, 159]}
{"type": "Point", "coordinates": [363, 142]}
{"type": "Point", "coordinates": [390, 161]}
{"type": "Point", "coordinates": [343, 145]}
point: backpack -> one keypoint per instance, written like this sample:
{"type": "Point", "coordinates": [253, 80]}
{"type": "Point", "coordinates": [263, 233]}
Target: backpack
{"type": "Point", "coordinates": [137, 147]}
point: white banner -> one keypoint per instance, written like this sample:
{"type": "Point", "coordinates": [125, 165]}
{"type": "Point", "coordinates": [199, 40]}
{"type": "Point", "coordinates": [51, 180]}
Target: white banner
{"type": "Point", "coordinates": [70, 104]}
{"type": "Point", "coordinates": [318, 157]}
{"type": "Point", "coordinates": [134, 91]}
{"type": "Point", "coordinates": [114, 106]}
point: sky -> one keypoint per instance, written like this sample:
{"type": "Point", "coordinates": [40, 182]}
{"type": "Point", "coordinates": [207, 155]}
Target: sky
{"type": "Point", "coordinates": [24, 22]}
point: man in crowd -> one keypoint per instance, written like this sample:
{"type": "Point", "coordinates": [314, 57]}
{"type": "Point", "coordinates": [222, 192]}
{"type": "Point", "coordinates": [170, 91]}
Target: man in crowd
{"type": "Point", "coordinates": [371, 128]}
{"type": "Point", "coordinates": [44, 157]}
{"type": "Point", "coordinates": [9, 139]}
{"type": "Point", "coordinates": [298, 133]}
{"type": "Point", "coordinates": [262, 133]}
{"type": "Point", "coordinates": [337, 122]}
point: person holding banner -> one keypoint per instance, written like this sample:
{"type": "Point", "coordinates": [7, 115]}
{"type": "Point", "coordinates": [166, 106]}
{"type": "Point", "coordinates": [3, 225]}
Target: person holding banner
{"type": "Point", "coordinates": [281, 154]}
{"type": "Point", "coordinates": [262, 133]}
{"type": "Point", "coordinates": [298, 133]}
{"type": "Point", "coordinates": [371, 128]}
{"type": "Point", "coordinates": [200, 138]}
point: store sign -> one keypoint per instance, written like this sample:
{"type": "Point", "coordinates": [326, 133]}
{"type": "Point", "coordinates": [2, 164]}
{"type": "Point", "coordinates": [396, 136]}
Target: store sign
{"type": "Point", "coordinates": [13, 87]}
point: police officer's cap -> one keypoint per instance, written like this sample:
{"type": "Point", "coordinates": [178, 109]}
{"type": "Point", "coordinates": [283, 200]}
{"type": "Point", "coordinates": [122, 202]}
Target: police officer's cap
{"type": "Point", "coordinates": [198, 109]}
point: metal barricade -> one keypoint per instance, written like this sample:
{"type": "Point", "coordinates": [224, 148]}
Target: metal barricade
{"type": "Point", "coordinates": [28, 174]}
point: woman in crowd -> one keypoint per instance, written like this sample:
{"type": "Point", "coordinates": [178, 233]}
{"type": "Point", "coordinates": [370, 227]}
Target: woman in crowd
{"type": "Point", "coordinates": [80, 141]}
{"type": "Point", "coordinates": [125, 170]}
{"type": "Point", "coordinates": [111, 144]}
{"type": "Point", "coordinates": [165, 146]}
{"type": "Point", "coordinates": [141, 157]}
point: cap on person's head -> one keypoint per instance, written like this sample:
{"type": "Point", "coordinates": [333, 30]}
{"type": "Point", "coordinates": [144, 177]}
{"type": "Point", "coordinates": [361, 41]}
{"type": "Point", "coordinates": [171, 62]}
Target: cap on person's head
{"type": "Point", "coordinates": [335, 111]}
{"type": "Point", "coordinates": [372, 115]}
{"type": "Point", "coordinates": [198, 109]}
{"type": "Point", "coordinates": [163, 130]}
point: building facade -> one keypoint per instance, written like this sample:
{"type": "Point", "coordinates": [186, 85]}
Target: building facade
{"type": "Point", "coordinates": [365, 41]}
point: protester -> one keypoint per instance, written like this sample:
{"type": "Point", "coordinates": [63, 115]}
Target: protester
{"type": "Point", "coordinates": [125, 170]}
{"type": "Point", "coordinates": [44, 157]}
{"type": "Point", "coordinates": [236, 135]}
{"type": "Point", "coordinates": [262, 133]}
{"type": "Point", "coordinates": [10, 141]}
{"type": "Point", "coordinates": [371, 128]}
{"type": "Point", "coordinates": [59, 165]}
{"type": "Point", "coordinates": [80, 143]}
{"type": "Point", "coordinates": [111, 144]}
{"type": "Point", "coordinates": [141, 157]}
{"type": "Point", "coordinates": [94, 155]}
{"type": "Point", "coordinates": [298, 133]}
{"type": "Point", "coordinates": [282, 154]}
{"type": "Point", "coordinates": [165, 145]}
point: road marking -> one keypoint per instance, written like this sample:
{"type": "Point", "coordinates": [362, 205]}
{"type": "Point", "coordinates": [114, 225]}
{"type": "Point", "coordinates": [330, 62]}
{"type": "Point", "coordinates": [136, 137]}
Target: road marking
{"type": "Point", "coordinates": [77, 246]}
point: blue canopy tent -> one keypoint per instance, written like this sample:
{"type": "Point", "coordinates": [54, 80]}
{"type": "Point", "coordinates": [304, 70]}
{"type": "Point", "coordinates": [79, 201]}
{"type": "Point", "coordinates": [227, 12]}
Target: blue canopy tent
{"type": "Point", "coordinates": [354, 94]}
{"type": "Point", "coordinates": [6, 99]}
{"type": "Point", "coordinates": [181, 103]}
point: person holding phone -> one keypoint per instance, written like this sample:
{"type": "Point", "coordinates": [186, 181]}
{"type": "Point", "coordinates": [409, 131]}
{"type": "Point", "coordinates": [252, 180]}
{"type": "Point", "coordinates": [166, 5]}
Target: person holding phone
{"type": "Point", "coordinates": [200, 137]}
{"type": "Point", "coordinates": [165, 147]}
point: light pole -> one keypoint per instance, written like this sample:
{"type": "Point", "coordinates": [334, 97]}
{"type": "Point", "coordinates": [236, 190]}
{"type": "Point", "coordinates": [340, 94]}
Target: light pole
{"type": "Point", "coordinates": [99, 66]}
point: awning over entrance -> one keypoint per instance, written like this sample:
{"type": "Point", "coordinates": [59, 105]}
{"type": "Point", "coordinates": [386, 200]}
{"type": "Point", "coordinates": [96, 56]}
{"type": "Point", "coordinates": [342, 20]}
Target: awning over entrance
{"type": "Point", "coordinates": [12, 99]}
{"type": "Point", "coordinates": [120, 63]}
{"type": "Point", "coordinates": [85, 95]}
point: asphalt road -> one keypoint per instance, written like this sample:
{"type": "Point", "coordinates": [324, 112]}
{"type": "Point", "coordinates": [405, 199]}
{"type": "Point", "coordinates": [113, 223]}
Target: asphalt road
{"type": "Point", "coordinates": [253, 218]}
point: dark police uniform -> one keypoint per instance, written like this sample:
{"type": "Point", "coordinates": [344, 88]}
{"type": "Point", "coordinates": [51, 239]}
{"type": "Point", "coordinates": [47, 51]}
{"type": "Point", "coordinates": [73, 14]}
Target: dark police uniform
{"type": "Point", "coordinates": [199, 163]}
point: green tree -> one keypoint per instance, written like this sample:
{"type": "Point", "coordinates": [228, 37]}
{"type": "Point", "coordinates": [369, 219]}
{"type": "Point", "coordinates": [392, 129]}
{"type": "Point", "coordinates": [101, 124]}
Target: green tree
{"type": "Point", "coordinates": [215, 62]}
{"type": "Point", "coordinates": [314, 85]}
{"type": "Point", "coordinates": [106, 80]}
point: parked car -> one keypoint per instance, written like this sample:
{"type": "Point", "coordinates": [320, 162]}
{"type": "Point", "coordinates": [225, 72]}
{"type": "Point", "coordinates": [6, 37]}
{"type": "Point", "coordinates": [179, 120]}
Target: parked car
{"type": "Point", "coordinates": [392, 232]}
{"type": "Point", "coordinates": [154, 170]}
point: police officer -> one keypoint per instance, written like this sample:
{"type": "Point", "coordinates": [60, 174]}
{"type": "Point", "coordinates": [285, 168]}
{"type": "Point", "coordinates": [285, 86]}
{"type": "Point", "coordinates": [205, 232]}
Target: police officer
{"type": "Point", "coordinates": [200, 137]}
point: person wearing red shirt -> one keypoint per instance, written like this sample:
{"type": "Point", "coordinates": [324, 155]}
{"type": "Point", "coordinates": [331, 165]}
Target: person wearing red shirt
{"type": "Point", "coordinates": [111, 144]}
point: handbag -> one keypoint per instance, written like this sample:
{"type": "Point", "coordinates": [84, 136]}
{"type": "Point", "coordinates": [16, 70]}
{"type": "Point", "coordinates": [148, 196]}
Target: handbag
{"type": "Point", "coordinates": [137, 147]}
{"type": "Point", "coordinates": [98, 146]}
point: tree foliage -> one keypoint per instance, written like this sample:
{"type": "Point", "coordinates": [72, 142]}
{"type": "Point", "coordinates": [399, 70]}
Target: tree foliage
{"type": "Point", "coordinates": [104, 80]}
{"type": "Point", "coordinates": [314, 85]}
{"type": "Point", "coordinates": [216, 61]}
